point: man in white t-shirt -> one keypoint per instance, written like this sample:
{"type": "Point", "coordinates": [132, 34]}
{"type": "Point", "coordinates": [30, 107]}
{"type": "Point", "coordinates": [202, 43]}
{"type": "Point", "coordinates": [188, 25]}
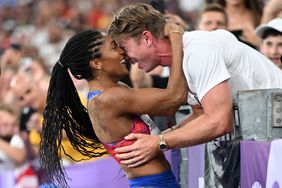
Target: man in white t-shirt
{"type": "Point", "coordinates": [216, 66]}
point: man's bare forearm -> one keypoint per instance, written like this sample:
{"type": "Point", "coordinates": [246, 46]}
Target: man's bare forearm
{"type": "Point", "coordinates": [197, 131]}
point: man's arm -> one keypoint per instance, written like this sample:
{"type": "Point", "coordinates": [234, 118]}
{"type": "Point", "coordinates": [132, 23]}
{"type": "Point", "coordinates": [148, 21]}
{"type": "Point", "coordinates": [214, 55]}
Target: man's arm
{"type": "Point", "coordinates": [216, 120]}
{"type": "Point", "coordinates": [197, 111]}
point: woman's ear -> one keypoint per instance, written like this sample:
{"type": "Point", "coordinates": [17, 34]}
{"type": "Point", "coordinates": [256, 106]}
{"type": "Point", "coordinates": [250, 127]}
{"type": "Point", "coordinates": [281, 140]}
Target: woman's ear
{"type": "Point", "coordinates": [96, 64]}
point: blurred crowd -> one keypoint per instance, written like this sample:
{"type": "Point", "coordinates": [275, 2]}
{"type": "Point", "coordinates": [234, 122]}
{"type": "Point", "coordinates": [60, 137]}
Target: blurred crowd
{"type": "Point", "coordinates": [34, 32]}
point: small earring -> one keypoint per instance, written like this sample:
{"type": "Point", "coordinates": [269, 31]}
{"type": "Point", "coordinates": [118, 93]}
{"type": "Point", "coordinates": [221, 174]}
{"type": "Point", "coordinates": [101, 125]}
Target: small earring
{"type": "Point", "coordinates": [99, 73]}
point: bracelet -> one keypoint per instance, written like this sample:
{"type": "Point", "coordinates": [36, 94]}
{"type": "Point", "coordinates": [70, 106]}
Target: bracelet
{"type": "Point", "coordinates": [177, 32]}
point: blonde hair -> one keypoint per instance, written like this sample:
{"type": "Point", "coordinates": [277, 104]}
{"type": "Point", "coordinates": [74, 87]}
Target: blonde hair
{"type": "Point", "coordinates": [133, 19]}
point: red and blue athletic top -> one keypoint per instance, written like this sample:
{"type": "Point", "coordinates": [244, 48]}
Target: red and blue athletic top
{"type": "Point", "coordinates": [138, 126]}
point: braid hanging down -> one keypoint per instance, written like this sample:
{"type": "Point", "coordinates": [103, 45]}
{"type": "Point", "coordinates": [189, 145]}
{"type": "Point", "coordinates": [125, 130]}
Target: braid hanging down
{"type": "Point", "coordinates": [64, 110]}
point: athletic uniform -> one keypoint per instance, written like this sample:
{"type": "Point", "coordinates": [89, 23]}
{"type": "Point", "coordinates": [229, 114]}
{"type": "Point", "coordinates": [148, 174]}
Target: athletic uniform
{"type": "Point", "coordinates": [161, 180]}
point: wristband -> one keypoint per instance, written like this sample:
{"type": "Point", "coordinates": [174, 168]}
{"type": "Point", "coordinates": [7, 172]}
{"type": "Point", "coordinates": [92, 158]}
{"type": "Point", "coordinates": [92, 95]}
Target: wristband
{"type": "Point", "coordinates": [177, 32]}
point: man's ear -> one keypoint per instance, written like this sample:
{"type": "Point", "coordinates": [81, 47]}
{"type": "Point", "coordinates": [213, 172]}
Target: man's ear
{"type": "Point", "coordinates": [96, 64]}
{"type": "Point", "coordinates": [147, 37]}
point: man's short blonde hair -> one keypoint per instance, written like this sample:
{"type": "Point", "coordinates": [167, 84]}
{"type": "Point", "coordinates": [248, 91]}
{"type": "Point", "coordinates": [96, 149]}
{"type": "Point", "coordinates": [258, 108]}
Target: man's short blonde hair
{"type": "Point", "coordinates": [133, 19]}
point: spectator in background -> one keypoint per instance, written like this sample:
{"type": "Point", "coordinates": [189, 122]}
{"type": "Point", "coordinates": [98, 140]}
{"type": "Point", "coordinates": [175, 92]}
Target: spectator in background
{"type": "Point", "coordinates": [213, 17]}
{"type": "Point", "coordinates": [189, 11]}
{"type": "Point", "coordinates": [271, 10]}
{"type": "Point", "coordinates": [12, 151]}
{"type": "Point", "coordinates": [7, 75]}
{"type": "Point", "coordinates": [37, 70]}
{"type": "Point", "coordinates": [177, 19]}
{"type": "Point", "coordinates": [11, 57]}
{"type": "Point", "coordinates": [271, 44]}
{"type": "Point", "coordinates": [9, 66]}
{"type": "Point", "coordinates": [29, 94]}
{"type": "Point", "coordinates": [243, 17]}
{"type": "Point", "coordinates": [57, 36]}
{"type": "Point", "coordinates": [29, 98]}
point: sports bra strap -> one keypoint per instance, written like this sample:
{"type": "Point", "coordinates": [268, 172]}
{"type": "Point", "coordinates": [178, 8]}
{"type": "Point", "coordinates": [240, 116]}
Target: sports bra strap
{"type": "Point", "coordinates": [93, 94]}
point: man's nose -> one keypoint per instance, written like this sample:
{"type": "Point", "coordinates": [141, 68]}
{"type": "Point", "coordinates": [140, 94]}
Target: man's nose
{"type": "Point", "coordinates": [215, 26]}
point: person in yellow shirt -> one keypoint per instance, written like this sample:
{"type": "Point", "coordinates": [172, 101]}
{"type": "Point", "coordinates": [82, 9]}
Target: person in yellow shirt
{"type": "Point", "coordinates": [70, 155]}
{"type": "Point", "coordinates": [28, 94]}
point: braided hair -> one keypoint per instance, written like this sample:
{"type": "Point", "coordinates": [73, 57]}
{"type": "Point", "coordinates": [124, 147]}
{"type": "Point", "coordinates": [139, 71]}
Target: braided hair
{"type": "Point", "coordinates": [64, 110]}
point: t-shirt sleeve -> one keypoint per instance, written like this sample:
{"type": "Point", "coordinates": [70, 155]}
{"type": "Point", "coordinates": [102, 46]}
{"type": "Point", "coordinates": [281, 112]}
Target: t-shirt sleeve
{"type": "Point", "coordinates": [206, 69]}
{"type": "Point", "coordinates": [17, 142]}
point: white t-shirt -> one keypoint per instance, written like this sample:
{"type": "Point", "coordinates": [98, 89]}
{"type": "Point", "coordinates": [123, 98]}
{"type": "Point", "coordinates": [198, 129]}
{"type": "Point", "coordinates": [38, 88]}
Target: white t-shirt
{"type": "Point", "coordinates": [212, 57]}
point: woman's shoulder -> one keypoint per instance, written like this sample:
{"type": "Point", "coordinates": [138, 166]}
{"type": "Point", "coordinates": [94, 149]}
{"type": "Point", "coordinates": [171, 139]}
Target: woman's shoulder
{"type": "Point", "coordinates": [114, 95]}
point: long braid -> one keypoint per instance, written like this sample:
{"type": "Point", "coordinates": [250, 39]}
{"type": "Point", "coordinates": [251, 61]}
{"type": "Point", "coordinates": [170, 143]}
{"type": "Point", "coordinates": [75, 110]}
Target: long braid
{"type": "Point", "coordinates": [64, 109]}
